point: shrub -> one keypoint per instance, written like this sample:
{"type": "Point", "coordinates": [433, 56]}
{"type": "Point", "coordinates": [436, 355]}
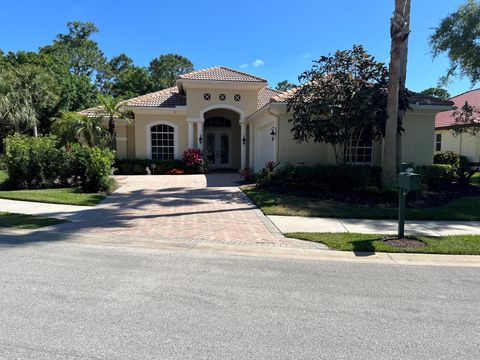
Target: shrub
{"type": "Point", "coordinates": [137, 166]}
{"type": "Point", "coordinates": [323, 177]}
{"type": "Point", "coordinates": [33, 162]}
{"type": "Point", "coordinates": [194, 161]}
{"type": "Point", "coordinates": [93, 167]}
{"type": "Point", "coordinates": [38, 162]}
{"type": "Point", "coordinates": [464, 171]}
{"type": "Point", "coordinates": [436, 176]}
{"type": "Point", "coordinates": [446, 158]}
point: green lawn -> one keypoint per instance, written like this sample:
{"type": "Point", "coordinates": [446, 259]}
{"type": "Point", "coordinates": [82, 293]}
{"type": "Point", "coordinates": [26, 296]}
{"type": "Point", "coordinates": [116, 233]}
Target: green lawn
{"type": "Point", "coordinates": [70, 196]}
{"type": "Point", "coordinates": [458, 245]}
{"type": "Point", "coordinates": [466, 208]}
{"type": "Point", "coordinates": [22, 221]}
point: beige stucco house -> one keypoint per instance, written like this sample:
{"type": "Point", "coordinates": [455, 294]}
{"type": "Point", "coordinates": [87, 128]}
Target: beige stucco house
{"type": "Point", "coordinates": [463, 143]}
{"type": "Point", "coordinates": [239, 122]}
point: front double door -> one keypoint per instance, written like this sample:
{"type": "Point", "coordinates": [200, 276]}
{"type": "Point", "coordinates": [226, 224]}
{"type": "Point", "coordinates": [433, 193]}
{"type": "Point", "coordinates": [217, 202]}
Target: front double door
{"type": "Point", "coordinates": [218, 148]}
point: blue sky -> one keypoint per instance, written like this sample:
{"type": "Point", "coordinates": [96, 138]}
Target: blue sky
{"type": "Point", "coordinates": [275, 39]}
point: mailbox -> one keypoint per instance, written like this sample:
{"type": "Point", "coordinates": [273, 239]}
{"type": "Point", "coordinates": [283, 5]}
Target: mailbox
{"type": "Point", "coordinates": [409, 181]}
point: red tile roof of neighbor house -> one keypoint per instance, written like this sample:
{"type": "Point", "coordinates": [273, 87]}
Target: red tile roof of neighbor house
{"type": "Point", "coordinates": [221, 73]}
{"type": "Point", "coordinates": [445, 119]}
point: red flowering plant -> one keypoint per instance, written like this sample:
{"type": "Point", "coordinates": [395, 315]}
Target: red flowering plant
{"type": "Point", "coordinates": [175, 171]}
{"type": "Point", "coordinates": [194, 161]}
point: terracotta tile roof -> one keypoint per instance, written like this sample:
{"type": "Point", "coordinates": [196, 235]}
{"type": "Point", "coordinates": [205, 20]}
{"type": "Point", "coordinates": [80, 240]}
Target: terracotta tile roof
{"type": "Point", "coordinates": [221, 73]}
{"type": "Point", "coordinates": [164, 98]}
{"type": "Point", "coordinates": [445, 119]}
{"type": "Point", "coordinates": [93, 112]}
{"type": "Point", "coordinates": [265, 96]}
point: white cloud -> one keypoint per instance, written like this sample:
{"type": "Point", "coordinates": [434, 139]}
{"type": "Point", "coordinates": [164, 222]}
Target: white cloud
{"type": "Point", "coordinates": [243, 66]}
{"type": "Point", "coordinates": [305, 55]}
{"type": "Point", "coordinates": [258, 62]}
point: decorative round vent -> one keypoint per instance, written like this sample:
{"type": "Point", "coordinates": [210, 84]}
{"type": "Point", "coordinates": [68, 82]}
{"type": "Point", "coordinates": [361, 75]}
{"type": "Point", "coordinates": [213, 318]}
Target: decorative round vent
{"type": "Point", "coordinates": [222, 97]}
{"type": "Point", "coordinates": [237, 97]}
{"type": "Point", "coordinates": [207, 96]}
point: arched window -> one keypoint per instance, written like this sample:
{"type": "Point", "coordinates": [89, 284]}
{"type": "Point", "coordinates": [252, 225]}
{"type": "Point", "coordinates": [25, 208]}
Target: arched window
{"type": "Point", "coordinates": [162, 138]}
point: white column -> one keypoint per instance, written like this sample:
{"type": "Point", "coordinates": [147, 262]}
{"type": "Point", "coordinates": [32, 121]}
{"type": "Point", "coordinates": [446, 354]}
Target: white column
{"type": "Point", "coordinates": [190, 135]}
{"type": "Point", "coordinates": [200, 135]}
{"type": "Point", "coordinates": [243, 145]}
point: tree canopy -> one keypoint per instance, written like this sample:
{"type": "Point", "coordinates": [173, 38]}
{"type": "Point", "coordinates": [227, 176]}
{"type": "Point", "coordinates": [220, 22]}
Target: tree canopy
{"type": "Point", "coordinates": [284, 85]}
{"type": "Point", "coordinates": [165, 69]}
{"type": "Point", "coordinates": [341, 100]}
{"type": "Point", "coordinates": [437, 92]}
{"type": "Point", "coordinates": [68, 74]}
{"type": "Point", "coordinates": [458, 35]}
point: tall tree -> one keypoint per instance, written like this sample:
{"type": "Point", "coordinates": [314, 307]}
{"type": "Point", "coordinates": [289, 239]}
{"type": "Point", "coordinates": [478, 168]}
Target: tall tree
{"type": "Point", "coordinates": [399, 29]}
{"type": "Point", "coordinates": [458, 35]}
{"type": "Point", "coordinates": [437, 92]}
{"type": "Point", "coordinates": [284, 85]}
{"type": "Point", "coordinates": [341, 101]}
{"type": "Point", "coordinates": [77, 49]}
{"type": "Point", "coordinates": [28, 95]}
{"type": "Point", "coordinates": [165, 69]}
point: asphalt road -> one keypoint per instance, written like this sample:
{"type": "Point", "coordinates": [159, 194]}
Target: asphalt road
{"type": "Point", "coordinates": [73, 301]}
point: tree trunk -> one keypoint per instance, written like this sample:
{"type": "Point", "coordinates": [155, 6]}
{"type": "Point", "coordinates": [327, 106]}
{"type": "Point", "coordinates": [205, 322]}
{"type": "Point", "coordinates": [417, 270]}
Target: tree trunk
{"type": "Point", "coordinates": [402, 81]}
{"type": "Point", "coordinates": [35, 130]}
{"type": "Point", "coordinates": [397, 33]}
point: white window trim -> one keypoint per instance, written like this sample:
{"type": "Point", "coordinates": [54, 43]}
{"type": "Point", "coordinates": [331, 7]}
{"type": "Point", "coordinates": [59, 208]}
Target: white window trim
{"type": "Point", "coordinates": [149, 126]}
{"type": "Point", "coordinates": [351, 146]}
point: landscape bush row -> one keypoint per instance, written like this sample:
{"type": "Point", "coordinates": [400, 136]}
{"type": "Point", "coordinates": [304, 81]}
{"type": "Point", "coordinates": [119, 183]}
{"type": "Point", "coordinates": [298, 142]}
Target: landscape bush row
{"type": "Point", "coordinates": [192, 162]}
{"type": "Point", "coordinates": [39, 162]}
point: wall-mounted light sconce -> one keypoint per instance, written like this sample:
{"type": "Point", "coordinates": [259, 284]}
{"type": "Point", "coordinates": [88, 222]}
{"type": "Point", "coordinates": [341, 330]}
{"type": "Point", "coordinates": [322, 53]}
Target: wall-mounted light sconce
{"type": "Point", "coordinates": [273, 132]}
{"type": "Point", "coordinates": [200, 139]}
{"type": "Point", "coordinates": [244, 140]}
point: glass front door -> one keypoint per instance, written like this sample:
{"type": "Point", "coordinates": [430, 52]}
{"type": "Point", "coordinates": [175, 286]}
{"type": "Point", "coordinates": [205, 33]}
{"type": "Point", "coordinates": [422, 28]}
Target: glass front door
{"type": "Point", "coordinates": [218, 148]}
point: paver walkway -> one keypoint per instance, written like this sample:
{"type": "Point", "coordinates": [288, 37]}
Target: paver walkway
{"type": "Point", "coordinates": [184, 207]}
{"type": "Point", "coordinates": [431, 228]}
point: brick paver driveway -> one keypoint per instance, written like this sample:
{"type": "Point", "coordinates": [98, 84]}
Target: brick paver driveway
{"type": "Point", "coordinates": [183, 207]}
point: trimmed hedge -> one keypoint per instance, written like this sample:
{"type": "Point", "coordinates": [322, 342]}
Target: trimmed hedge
{"type": "Point", "coordinates": [437, 176]}
{"type": "Point", "coordinates": [38, 162]}
{"type": "Point", "coordinates": [321, 177]}
{"type": "Point", "coordinates": [137, 166]}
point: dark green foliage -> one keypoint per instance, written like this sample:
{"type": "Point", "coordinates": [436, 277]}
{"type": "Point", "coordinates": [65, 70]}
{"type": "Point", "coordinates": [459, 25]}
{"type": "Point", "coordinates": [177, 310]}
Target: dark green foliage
{"type": "Point", "coordinates": [446, 158]}
{"type": "Point", "coordinates": [35, 163]}
{"type": "Point", "coordinates": [437, 92]}
{"type": "Point", "coordinates": [285, 85]}
{"type": "Point", "coordinates": [138, 166]}
{"type": "Point", "coordinates": [342, 98]}
{"type": "Point", "coordinates": [92, 167]}
{"type": "Point", "coordinates": [461, 166]}
{"type": "Point", "coordinates": [464, 171]}
{"type": "Point", "coordinates": [458, 36]}
{"type": "Point", "coordinates": [165, 69]}
{"type": "Point", "coordinates": [321, 178]}
{"type": "Point", "coordinates": [435, 177]}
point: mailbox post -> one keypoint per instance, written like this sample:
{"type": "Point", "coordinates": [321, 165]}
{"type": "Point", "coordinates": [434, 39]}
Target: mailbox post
{"type": "Point", "coordinates": [407, 180]}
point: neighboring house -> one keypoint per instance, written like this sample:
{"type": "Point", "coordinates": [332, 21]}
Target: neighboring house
{"type": "Point", "coordinates": [239, 122]}
{"type": "Point", "coordinates": [463, 143]}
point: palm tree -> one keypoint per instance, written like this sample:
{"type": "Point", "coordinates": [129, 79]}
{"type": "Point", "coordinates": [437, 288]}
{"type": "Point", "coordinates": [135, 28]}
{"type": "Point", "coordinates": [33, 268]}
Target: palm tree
{"type": "Point", "coordinates": [25, 93]}
{"type": "Point", "coordinates": [112, 108]}
{"type": "Point", "coordinates": [76, 127]}
{"type": "Point", "coordinates": [399, 34]}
